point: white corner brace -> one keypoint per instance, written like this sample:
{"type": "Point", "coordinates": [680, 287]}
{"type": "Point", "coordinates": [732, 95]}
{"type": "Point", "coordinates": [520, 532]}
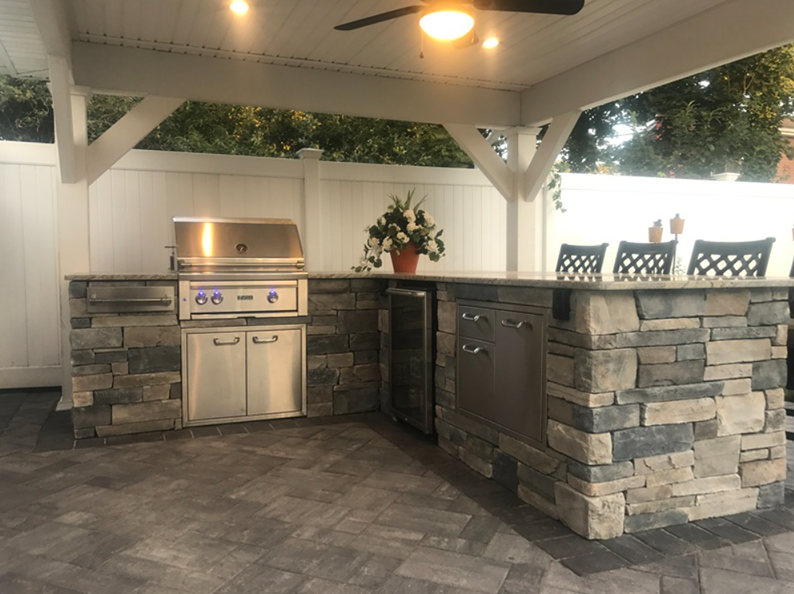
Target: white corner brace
{"type": "Point", "coordinates": [122, 136]}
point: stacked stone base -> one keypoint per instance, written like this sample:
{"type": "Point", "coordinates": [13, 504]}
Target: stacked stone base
{"type": "Point", "coordinates": [344, 346]}
{"type": "Point", "coordinates": [126, 368]}
{"type": "Point", "coordinates": [126, 374]}
{"type": "Point", "coordinates": [664, 407]}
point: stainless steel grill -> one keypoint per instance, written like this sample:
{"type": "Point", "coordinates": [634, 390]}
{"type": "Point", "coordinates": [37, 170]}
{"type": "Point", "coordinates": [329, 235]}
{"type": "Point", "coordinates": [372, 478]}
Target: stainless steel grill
{"type": "Point", "coordinates": [232, 268]}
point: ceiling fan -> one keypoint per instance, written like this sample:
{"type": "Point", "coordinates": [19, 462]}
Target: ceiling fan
{"type": "Point", "coordinates": [449, 20]}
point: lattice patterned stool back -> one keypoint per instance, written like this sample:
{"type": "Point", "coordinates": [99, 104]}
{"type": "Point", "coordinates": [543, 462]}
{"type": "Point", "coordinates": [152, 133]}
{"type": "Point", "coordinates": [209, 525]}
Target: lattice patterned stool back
{"type": "Point", "coordinates": [725, 258]}
{"type": "Point", "coordinates": [645, 258]}
{"type": "Point", "coordinates": [581, 258]}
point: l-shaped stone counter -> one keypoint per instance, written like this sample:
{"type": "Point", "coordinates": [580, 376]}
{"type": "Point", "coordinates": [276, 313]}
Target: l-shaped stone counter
{"type": "Point", "coordinates": [663, 395]}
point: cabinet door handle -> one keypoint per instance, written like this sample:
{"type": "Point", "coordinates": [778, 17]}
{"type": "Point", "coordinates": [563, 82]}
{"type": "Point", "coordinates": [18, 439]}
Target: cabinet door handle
{"type": "Point", "coordinates": [219, 342]}
{"type": "Point", "coordinates": [471, 318]}
{"type": "Point", "coordinates": [258, 340]}
{"type": "Point", "coordinates": [508, 323]}
{"type": "Point", "coordinates": [472, 349]}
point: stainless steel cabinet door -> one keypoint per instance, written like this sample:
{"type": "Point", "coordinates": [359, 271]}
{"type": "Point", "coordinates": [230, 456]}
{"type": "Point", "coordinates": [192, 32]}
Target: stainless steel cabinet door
{"type": "Point", "coordinates": [215, 375]}
{"type": "Point", "coordinates": [520, 403]}
{"type": "Point", "coordinates": [275, 371]}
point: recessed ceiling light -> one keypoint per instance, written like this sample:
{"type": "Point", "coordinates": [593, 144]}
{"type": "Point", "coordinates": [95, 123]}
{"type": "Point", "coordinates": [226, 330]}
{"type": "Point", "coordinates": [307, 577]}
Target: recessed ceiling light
{"type": "Point", "coordinates": [490, 43]}
{"type": "Point", "coordinates": [447, 24]}
{"type": "Point", "coordinates": [239, 6]}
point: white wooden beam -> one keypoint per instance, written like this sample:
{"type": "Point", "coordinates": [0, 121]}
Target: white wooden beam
{"type": "Point", "coordinates": [732, 30]}
{"type": "Point", "coordinates": [122, 136]}
{"type": "Point", "coordinates": [73, 232]}
{"type": "Point", "coordinates": [557, 134]}
{"type": "Point", "coordinates": [54, 27]}
{"type": "Point", "coordinates": [484, 156]}
{"type": "Point", "coordinates": [61, 90]}
{"type": "Point", "coordinates": [139, 71]}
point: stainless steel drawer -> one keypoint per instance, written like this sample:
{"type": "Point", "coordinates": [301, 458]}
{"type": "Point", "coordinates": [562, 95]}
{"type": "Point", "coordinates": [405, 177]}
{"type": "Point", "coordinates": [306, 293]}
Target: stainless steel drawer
{"type": "Point", "coordinates": [475, 322]}
{"type": "Point", "coordinates": [130, 299]}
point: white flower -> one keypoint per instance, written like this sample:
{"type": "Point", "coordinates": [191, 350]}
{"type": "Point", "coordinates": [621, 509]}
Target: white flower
{"type": "Point", "coordinates": [381, 221]}
{"type": "Point", "coordinates": [412, 227]}
{"type": "Point", "coordinates": [387, 244]}
{"type": "Point", "coordinates": [373, 242]}
{"type": "Point", "coordinates": [403, 238]}
{"type": "Point", "coordinates": [409, 215]}
{"type": "Point", "coordinates": [432, 246]}
{"type": "Point", "coordinates": [363, 261]}
{"type": "Point", "coordinates": [429, 221]}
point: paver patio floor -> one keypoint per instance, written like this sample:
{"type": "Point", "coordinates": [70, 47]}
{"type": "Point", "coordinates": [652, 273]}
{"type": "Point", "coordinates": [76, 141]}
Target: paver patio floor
{"type": "Point", "coordinates": [349, 505]}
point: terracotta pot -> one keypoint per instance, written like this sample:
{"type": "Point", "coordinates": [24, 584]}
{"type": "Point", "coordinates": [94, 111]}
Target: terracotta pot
{"type": "Point", "coordinates": [655, 234]}
{"type": "Point", "coordinates": [407, 260]}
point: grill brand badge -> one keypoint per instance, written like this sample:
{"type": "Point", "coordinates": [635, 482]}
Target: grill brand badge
{"type": "Point", "coordinates": [245, 298]}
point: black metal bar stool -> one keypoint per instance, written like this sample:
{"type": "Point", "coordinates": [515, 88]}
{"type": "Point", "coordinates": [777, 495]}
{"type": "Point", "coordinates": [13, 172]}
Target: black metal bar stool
{"type": "Point", "coordinates": [645, 258]}
{"type": "Point", "coordinates": [730, 258]}
{"type": "Point", "coordinates": [581, 258]}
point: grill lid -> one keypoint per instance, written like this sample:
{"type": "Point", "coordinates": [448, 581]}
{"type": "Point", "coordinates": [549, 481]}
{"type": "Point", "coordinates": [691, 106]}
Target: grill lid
{"type": "Point", "coordinates": [213, 245]}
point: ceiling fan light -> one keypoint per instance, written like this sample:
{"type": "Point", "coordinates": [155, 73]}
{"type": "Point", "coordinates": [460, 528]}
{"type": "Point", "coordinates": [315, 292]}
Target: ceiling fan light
{"type": "Point", "coordinates": [239, 7]}
{"type": "Point", "coordinates": [447, 24]}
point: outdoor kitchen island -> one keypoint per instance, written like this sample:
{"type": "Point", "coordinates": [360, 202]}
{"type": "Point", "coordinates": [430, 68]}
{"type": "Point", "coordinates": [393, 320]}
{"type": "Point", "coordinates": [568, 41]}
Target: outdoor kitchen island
{"type": "Point", "coordinates": [662, 397]}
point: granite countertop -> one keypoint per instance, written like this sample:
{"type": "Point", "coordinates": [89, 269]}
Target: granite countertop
{"type": "Point", "coordinates": [538, 280]}
{"type": "Point", "coordinates": [554, 280]}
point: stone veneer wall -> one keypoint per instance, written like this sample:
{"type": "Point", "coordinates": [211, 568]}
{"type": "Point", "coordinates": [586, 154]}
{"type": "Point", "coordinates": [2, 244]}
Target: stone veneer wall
{"type": "Point", "coordinates": [664, 407]}
{"type": "Point", "coordinates": [344, 372]}
{"type": "Point", "coordinates": [125, 368]}
{"type": "Point", "coordinates": [126, 374]}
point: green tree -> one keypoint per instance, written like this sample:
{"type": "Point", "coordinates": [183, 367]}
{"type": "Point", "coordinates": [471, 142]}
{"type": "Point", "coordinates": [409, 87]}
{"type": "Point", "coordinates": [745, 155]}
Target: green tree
{"type": "Point", "coordinates": [725, 118]}
{"type": "Point", "coordinates": [25, 111]}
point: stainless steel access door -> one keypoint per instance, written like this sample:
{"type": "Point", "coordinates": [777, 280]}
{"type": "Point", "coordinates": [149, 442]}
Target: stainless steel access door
{"type": "Point", "coordinates": [215, 375]}
{"type": "Point", "coordinates": [275, 371]}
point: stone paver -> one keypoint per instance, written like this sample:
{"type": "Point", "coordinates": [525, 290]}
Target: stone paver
{"type": "Point", "coordinates": [353, 505]}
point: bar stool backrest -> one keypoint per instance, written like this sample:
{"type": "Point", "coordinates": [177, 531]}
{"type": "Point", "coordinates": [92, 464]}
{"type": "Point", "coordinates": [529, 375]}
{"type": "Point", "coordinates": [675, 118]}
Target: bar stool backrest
{"type": "Point", "coordinates": [730, 258]}
{"type": "Point", "coordinates": [581, 258]}
{"type": "Point", "coordinates": [645, 258]}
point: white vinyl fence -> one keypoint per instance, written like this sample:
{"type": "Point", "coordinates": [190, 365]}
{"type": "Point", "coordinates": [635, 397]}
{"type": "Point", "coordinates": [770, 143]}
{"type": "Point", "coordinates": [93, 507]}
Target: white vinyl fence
{"type": "Point", "coordinates": [611, 208]}
{"type": "Point", "coordinates": [131, 207]}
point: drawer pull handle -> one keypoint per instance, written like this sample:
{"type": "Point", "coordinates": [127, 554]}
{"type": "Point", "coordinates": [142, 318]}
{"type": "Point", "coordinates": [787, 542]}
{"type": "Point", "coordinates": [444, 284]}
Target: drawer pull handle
{"type": "Point", "coordinates": [471, 318]}
{"type": "Point", "coordinates": [258, 340]}
{"type": "Point", "coordinates": [508, 323]}
{"type": "Point", "coordinates": [219, 342]}
{"type": "Point", "coordinates": [473, 350]}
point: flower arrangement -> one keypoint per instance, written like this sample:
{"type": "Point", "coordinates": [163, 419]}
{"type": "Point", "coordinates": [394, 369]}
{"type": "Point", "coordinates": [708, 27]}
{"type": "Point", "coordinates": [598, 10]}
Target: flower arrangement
{"type": "Point", "coordinates": [401, 225]}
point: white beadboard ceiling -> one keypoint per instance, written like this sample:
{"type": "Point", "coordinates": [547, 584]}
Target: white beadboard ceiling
{"type": "Point", "coordinates": [300, 33]}
{"type": "Point", "coordinates": [286, 53]}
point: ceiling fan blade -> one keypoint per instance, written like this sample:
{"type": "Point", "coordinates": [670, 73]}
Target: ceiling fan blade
{"type": "Point", "coordinates": [379, 18]}
{"type": "Point", "coordinates": [567, 7]}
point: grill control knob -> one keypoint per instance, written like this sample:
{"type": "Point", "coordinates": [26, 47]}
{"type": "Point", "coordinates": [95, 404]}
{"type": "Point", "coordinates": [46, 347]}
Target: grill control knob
{"type": "Point", "coordinates": [272, 297]}
{"type": "Point", "coordinates": [201, 297]}
{"type": "Point", "coordinates": [217, 298]}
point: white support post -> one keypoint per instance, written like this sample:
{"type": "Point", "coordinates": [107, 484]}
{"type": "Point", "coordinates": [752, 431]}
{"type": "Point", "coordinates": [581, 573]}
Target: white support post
{"type": "Point", "coordinates": [312, 205]}
{"type": "Point", "coordinates": [484, 156]}
{"type": "Point", "coordinates": [122, 136]}
{"type": "Point", "coordinates": [542, 163]}
{"type": "Point", "coordinates": [524, 219]}
{"type": "Point", "coordinates": [73, 229]}
{"type": "Point", "coordinates": [61, 90]}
